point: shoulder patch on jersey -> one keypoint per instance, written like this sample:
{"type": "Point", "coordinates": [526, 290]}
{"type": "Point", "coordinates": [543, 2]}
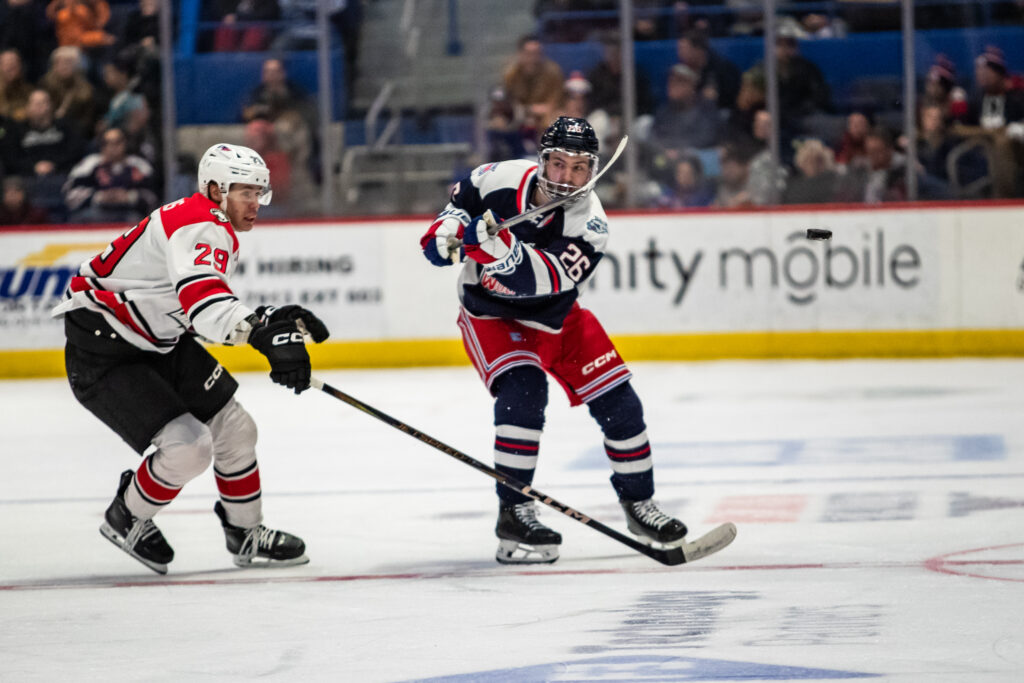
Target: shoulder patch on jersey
{"type": "Point", "coordinates": [598, 225]}
{"type": "Point", "coordinates": [486, 168]}
{"type": "Point", "coordinates": [220, 215]}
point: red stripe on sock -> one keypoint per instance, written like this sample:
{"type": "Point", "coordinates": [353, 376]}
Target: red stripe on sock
{"type": "Point", "coordinates": [242, 487]}
{"type": "Point", "coordinates": [152, 489]}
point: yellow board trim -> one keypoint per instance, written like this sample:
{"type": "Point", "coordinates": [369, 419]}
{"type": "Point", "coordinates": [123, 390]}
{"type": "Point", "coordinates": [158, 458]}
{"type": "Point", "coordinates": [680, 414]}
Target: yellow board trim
{"type": "Point", "coordinates": [669, 347]}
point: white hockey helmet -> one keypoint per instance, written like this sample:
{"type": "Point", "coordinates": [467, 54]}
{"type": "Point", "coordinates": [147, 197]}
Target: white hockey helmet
{"type": "Point", "coordinates": [225, 164]}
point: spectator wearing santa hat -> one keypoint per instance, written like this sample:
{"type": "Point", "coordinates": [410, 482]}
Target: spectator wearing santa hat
{"type": "Point", "coordinates": [941, 89]}
{"type": "Point", "coordinates": [998, 111]}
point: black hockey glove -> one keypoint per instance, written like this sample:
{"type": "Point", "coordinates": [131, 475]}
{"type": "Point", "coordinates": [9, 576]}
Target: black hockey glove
{"type": "Point", "coordinates": [282, 344]}
{"type": "Point", "coordinates": [292, 312]}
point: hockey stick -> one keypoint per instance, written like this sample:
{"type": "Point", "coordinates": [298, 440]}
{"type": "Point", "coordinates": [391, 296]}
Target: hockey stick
{"type": "Point", "coordinates": [454, 242]}
{"type": "Point", "coordinates": [709, 543]}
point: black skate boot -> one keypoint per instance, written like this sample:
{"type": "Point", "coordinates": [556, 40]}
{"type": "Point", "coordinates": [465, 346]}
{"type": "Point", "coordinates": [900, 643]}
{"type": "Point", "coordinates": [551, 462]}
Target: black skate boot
{"type": "Point", "coordinates": [524, 540]}
{"type": "Point", "coordinates": [651, 525]}
{"type": "Point", "coordinates": [260, 546]}
{"type": "Point", "coordinates": [140, 538]}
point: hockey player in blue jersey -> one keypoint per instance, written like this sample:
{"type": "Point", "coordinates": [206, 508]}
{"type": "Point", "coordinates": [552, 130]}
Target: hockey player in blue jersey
{"type": "Point", "coordinates": [520, 318]}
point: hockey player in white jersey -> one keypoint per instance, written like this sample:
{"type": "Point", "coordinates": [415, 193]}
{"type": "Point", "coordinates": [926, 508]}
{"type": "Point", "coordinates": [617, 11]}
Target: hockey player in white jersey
{"type": "Point", "coordinates": [520, 318]}
{"type": "Point", "coordinates": [131, 316]}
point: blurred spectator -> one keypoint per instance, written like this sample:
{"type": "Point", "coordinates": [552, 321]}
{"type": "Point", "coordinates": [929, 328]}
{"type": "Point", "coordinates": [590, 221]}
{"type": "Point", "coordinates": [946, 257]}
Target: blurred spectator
{"type": "Point", "coordinates": [110, 186]}
{"type": "Point", "coordinates": [606, 79]}
{"type": "Point", "coordinates": [567, 29]}
{"type": "Point", "coordinates": [739, 126]}
{"type": "Point", "coordinates": [80, 22]}
{"type": "Point", "coordinates": [852, 148]}
{"type": "Point", "coordinates": [45, 145]}
{"type": "Point", "coordinates": [229, 37]}
{"type": "Point", "coordinates": [284, 103]}
{"type": "Point", "coordinates": [767, 179]}
{"type": "Point", "coordinates": [731, 191]}
{"type": "Point", "coordinates": [73, 96]}
{"type": "Point", "coordinates": [934, 141]}
{"type": "Point", "coordinates": [747, 17]}
{"type": "Point", "coordinates": [686, 120]}
{"type": "Point", "coordinates": [532, 78]}
{"type": "Point", "coordinates": [25, 28]}
{"type": "Point", "coordinates": [276, 95]}
{"type": "Point", "coordinates": [577, 96]}
{"type": "Point", "coordinates": [141, 138]}
{"type": "Point", "coordinates": [687, 187]}
{"type": "Point", "coordinates": [140, 41]}
{"type": "Point", "coordinates": [995, 105]}
{"type": "Point", "coordinates": [886, 178]}
{"type": "Point", "coordinates": [803, 91]}
{"type": "Point", "coordinates": [119, 78]}
{"type": "Point", "coordinates": [718, 78]}
{"type": "Point", "coordinates": [260, 136]}
{"type": "Point", "coordinates": [504, 138]}
{"type": "Point", "coordinates": [142, 26]}
{"type": "Point", "coordinates": [14, 89]}
{"type": "Point", "coordinates": [813, 25]}
{"type": "Point", "coordinates": [15, 206]}
{"type": "Point", "coordinates": [940, 88]}
{"type": "Point", "coordinates": [997, 113]}
{"type": "Point", "coordinates": [817, 177]}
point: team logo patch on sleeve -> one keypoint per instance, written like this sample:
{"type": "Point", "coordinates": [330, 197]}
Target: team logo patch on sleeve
{"type": "Point", "coordinates": [219, 215]}
{"type": "Point", "coordinates": [597, 225]}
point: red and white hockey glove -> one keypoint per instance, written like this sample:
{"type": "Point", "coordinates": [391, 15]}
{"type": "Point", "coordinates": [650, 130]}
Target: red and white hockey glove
{"type": "Point", "coordinates": [499, 253]}
{"type": "Point", "coordinates": [445, 231]}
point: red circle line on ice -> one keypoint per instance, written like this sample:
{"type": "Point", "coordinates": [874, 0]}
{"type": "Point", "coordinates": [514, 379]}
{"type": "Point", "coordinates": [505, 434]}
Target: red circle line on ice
{"type": "Point", "coordinates": [996, 562]}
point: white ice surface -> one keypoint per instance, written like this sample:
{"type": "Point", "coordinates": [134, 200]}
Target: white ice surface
{"type": "Point", "coordinates": [880, 508]}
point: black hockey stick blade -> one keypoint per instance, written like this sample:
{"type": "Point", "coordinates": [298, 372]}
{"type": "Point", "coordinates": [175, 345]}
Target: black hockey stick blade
{"type": "Point", "coordinates": [709, 543]}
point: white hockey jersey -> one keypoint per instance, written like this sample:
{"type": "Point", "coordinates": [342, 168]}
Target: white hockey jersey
{"type": "Point", "coordinates": [165, 277]}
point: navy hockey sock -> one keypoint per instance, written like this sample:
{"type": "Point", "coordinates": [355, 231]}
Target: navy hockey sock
{"type": "Point", "coordinates": [520, 397]}
{"type": "Point", "coordinates": [621, 417]}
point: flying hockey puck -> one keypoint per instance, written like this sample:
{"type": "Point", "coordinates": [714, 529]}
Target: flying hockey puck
{"type": "Point", "coordinates": [818, 234]}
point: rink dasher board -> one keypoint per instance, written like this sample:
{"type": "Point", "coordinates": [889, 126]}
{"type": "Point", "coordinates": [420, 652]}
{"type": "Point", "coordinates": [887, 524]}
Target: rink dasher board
{"type": "Point", "coordinates": [934, 280]}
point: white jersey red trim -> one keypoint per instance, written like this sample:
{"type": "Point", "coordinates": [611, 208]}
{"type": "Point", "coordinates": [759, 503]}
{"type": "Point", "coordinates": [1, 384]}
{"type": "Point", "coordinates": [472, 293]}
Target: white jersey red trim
{"type": "Point", "coordinates": [164, 277]}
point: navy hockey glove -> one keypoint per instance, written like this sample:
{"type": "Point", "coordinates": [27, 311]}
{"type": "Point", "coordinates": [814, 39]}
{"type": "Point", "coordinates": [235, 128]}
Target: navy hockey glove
{"type": "Point", "coordinates": [292, 312]}
{"type": "Point", "coordinates": [281, 342]}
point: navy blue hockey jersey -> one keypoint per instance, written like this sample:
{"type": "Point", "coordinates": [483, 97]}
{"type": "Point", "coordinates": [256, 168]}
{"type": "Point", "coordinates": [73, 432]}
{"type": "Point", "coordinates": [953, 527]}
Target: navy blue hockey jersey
{"type": "Point", "coordinates": [560, 249]}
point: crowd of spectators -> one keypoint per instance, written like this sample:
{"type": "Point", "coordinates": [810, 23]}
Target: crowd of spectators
{"type": "Point", "coordinates": [78, 140]}
{"type": "Point", "coordinates": [566, 21]}
{"type": "Point", "coordinates": [80, 136]}
{"type": "Point", "coordinates": [708, 142]}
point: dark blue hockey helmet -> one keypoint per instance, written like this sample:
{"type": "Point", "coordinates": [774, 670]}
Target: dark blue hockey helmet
{"type": "Point", "coordinates": [569, 135]}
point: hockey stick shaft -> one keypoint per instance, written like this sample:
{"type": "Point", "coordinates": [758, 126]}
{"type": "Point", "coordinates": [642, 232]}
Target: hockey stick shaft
{"type": "Point", "coordinates": [668, 556]}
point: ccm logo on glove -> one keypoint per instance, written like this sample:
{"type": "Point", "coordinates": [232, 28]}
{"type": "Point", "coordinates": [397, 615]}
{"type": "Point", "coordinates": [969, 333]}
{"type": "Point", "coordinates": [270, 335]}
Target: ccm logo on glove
{"type": "Point", "coordinates": [286, 338]}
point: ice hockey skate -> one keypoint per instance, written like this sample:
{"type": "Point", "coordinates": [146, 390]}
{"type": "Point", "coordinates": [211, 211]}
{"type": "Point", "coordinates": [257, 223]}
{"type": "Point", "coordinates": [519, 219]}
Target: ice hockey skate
{"type": "Point", "coordinates": [651, 525]}
{"type": "Point", "coordinates": [523, 539]}
{"type": "Point", "coordinates": [140, 538]}
{"type": "Point", "coordinates": [260, 546]}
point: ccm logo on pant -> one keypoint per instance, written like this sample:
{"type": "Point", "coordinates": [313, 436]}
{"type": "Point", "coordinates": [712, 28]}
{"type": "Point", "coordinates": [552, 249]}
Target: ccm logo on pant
{"type": "Point", "coordinates": [287, 338]}
{"type": "Point", "coordinates": [602, 360]}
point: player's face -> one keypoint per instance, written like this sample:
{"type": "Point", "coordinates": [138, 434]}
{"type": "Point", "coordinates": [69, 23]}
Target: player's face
{"type": "Point", "coordinates": [568, 169]}
{"type": "Point", "coordinates": [243, 205]}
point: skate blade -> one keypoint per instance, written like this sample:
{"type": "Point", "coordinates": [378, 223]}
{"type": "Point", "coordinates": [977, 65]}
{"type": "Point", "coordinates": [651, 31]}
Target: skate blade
{"type": "Point", "coordinates": [513, 552]}
{"type": "Point", "coordinates": [266, 562]}
{"type": "Point", "coordinates": [117, 539]}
